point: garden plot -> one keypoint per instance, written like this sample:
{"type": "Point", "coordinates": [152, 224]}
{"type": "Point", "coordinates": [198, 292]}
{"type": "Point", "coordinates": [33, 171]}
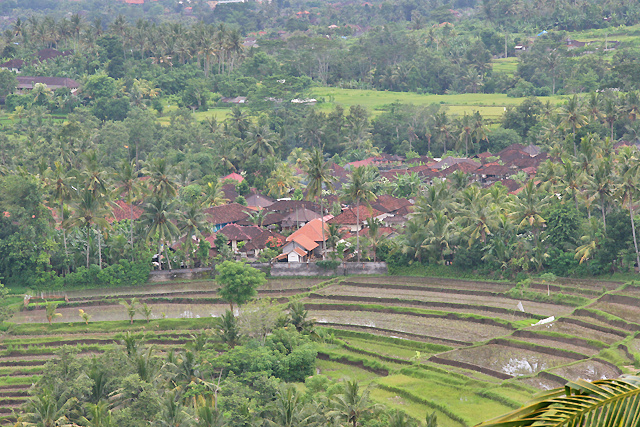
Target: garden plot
{"type": "Point", "coordinates": [505, 359]}
{"type": "Point", "coordinates": [627, 312]}
{"type": "Point", "coordinates": [434, 282]}
{"type": "Point", "coordinates": [462, 401]}
{"type": "Point", "coordinates": [542, 309]}
{"type": "Point", "coordinates": [459, 330]}
{"type": "Point", "coordinates": [589, 370]}
{"type": "Point", "coordinates": [118, 312]}
{"type": "Point", "coordinates": [585, 332]}
{"type": "Point", "coordinates": [546, 342]}
{"type": "Point", "coordinates": [541, 383]}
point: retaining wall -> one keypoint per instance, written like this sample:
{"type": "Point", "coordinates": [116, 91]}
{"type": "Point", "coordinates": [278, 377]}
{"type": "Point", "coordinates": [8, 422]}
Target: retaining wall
{"type": "Point", "coordinates": [181, 274]}
{"type": "Point", "coordinates": [311, 269]}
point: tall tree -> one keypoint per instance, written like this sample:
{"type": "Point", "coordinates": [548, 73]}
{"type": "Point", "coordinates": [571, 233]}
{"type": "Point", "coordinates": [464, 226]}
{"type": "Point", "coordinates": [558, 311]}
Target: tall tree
{"type": "Point", "coordinates": [359, 189]}
{"type": "Point", "coordinates": [127, 185]}
{"type": "Point", "coordinates": [320, 178]}
{"type": "Point", "coordinates": [159, 218]}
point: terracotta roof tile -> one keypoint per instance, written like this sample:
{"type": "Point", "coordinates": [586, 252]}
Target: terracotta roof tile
{"type": "Point", "coordinates": [233, 212]}
{"type": "Point", "coordinates": [312, 230]}
{"type": "Point", "coordinates": [122, 211]}
{"type": "Point", "coordinates": [349, 216]}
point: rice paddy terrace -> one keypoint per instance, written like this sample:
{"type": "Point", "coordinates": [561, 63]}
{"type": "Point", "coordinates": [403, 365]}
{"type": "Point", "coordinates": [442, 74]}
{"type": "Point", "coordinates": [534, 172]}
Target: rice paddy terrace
{"type": "Point", "coordinates": [462, 349]}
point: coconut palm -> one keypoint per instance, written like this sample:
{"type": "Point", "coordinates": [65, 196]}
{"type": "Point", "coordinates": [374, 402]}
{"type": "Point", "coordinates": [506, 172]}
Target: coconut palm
{"type": "Point", "coordinates": [572, 113]}
{"type": "Point", "coordinates": [161, 178]}
{"type": "Point", "coordinates": [282, 181]}
{"type": "Point", "coordinates": [213, 194]}
{"type": "Point", "coordinates": [99, 415]}
{"type": "Point", "coordinates": [374, 236]}
{"type": "Point", "coordinates": [601, 185]}
{"type": "Point", "coordinates": [127, 185]}
{"type": "Point", "coordinates": [601, 403]}
{"type": "Point", "coordinates": [192, 223]}
{"type": "Point", "coordinates": [440, 233]}
{"type": "Point", "coordinates": [89, 210]}
{"type": "Point", "coordinates": [45, 410]}
{"type": "Point", "coordinates": [352, 405]}
{"type": "Point", "coordinates": [146, 311]}
{"type": "Point", "coordinates": [529, 205]}
{"type": "Point", "coordinates": [257, 217]}
{"type": "Point", "coordinates": [627, 187]}
{"type": "Point", "coordinates": [359, 189]}
{"type": "Point", "coordinates": [261, 143]}
{"type": "Point", "coordinates": [320, 178]}
{"type": "Point", "coordinates": [611, 112]}
{"type": "Point", "coordinates": [480, 216]}
{"type": "Point", "coordinates": [158, 218]}
{"type": "Point", "coordinates": [61, 183]}
{"type": "Point", "coordinates": [289, 409]}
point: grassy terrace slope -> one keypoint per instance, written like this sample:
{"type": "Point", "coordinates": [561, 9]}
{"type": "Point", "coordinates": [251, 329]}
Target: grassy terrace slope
{"type": "Point", "coordinates": [455, 347]}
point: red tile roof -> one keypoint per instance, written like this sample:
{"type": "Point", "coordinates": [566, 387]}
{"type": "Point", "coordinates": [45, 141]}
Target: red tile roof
{"type": "Point", "coordinates": [233, 212]}
{"type": "Point", "coordinates": [234, 176]}
{"type": "Point", "coordinates": [312, 230]}
{"type": "Point", "coordinates": [122, 211]}
{"type": "Point", "coordinates": [305, 242]}
{"type": "Point", "coordinates": [349, 216]}
{"type": "Point", "coordinates": [386, 203]}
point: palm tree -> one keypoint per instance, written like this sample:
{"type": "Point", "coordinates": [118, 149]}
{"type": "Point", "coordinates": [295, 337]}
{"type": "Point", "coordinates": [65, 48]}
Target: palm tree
{"type": "Point", "coordinates": [258, 217]}
{"type": "Point", "coordinates": [320, 177]}
{"type": "Point", "coordinates": [161, 182]}
{"type": "Point", "coordinates": [45, 410]}
{"type": "Point", "coordinates": [628, 187]}
{"type": "Point", "coordinates": [289, 409]}
{"type": "Point", "coordinates": [440, 232]}
{"type": "Point", "coordinates": [466, 129]}
{"type": "Point", "coordinates": [99, 415]}
{"type": "Point", "coordinates": [50, 311]}
{"type": "Point", "coordinates": [352, 405]}
{"type": "Point", "coordinates": [61, 184]}
{"type": "Point", "coordinates": [127, 185]}
{"type": "Point", "coordinates": [480, 215]}
{"type": "Point", "coordinates": [158, 218]}
{"type": "Point", "coordinates": [572, 115]}
{"type": "Point", "coordinates": [192, 223]}
{"type": "Point", "coordinates": [282, 181]}
{"type": "Point", "coordinates": [130, 307]}
{"type": "Point", "coordinates": [374, 236]}
{"type": "Point", "coordinates": [601, 403]}
{"type": "Point", "coordinates": [89, 210]}
{"type": "Point", "coordinates": [443, 127]}
{"type": "Point", "coordinates": [359, 189]}
{"type": "Point", "coordinates": [261, 143]}
{"type": "Point", "coordinates": [611, 112]}
{"type": "Point", "coordinates": [601, 184]}
{"type": "Point", "coordinates": [213, 194]}
{"type": "Point", "coordinates": [146, 311]}
{"type": "Point", "coordinates": [529, 205]}
{"type": "Point", "coordinates": [571, 182]}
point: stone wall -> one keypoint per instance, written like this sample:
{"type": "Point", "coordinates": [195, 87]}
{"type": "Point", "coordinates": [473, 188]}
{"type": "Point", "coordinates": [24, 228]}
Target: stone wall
{"type": "Point", "coordinates": [280, 269]}
{"type": "Point", "coordinates": [181, 274]}
{"type": "Point", "coordinates": [311, 269]}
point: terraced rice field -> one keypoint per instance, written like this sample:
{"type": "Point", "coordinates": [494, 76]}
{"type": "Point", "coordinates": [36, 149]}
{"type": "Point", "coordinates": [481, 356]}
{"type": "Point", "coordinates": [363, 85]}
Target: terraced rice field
{"type": "Point", "coordinates": [458, 348]}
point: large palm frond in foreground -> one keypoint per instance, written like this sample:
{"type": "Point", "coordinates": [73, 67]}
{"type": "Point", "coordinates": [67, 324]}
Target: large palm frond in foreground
{"type": "Point", "coordinates": [602, 403]}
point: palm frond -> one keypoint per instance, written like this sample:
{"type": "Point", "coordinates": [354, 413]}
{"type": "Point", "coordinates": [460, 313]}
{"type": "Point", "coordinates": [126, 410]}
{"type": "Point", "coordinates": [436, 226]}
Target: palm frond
{"type": "Point", "coordinates": [602, 403]}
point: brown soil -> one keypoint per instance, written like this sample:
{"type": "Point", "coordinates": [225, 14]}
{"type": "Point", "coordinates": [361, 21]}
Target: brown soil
{"type": "Point", "coordinates": [436, 327]}
{"type": "Point", "coordinates": [402, 301]}
{"type": "Point", "coordinates": [573, 344]}
{"type": "Point", "coordinates": [589, 370]}
{"type": "Point", "coordinates": [436, 282]}
{"type": "Point", "coordinates": [623, 311]}
{"type": "Point", "coordinates": [541, 309]}
{"type": "Point", "coordinates": [566, 326]}
{"type": "Point", "coordinates": [396, 334]}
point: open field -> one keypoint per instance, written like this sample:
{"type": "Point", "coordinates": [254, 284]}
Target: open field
{"type": "Point", "coordinates": [489, 105]}
{"type": "Point", "coordinates": [455, 347]}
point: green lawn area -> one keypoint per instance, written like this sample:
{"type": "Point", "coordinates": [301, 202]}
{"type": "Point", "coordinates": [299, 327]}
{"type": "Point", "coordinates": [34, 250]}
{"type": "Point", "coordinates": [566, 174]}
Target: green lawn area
{"type": "Point", "coordinates": [461, 400]}
{"type": "Point", "coordinates": [220, 113]}
{"type": "Point", "coordinates": [505, 65]}
{"type": "Point", "coordinates": [488, 104]}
